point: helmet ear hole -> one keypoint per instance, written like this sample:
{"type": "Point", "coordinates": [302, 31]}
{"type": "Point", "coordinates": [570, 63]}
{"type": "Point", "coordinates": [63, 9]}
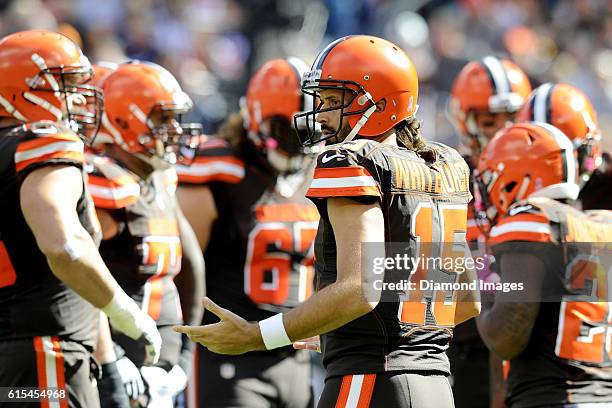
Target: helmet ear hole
{"type": "Point", "coordinates": [531, 138]}
{"type": "Point", "coordinates": [121, 123]}
{"type": "Point", "coordinates": [510, 186]}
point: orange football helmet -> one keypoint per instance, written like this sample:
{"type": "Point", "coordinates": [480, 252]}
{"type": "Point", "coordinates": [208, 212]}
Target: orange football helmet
{"type": "Point", "coordinates": [273, 97]}
{"type": "Point", "coordinates": [570, 110]}
{"type": "Point", "coordinates": [43, 77]}
{"type": "Point", "coordinates": [101, 70]}
{"type": "Point", "coordinates": [142, 112]}
{"type": "Point", "coordinates": [368, 70]}
{"type": "Point", "coordinates": [523, 160]}
{"type": "Point", "coordinates": [489, 85]}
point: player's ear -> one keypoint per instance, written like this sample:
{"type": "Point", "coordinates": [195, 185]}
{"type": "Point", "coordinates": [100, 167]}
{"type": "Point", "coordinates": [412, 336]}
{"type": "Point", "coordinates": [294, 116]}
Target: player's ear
{"type": "Point", "coordinates": [380, 105]}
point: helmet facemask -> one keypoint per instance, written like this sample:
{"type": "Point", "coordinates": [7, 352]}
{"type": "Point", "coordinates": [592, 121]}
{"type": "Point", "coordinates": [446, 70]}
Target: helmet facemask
{"type": "Point", "coordinates": [81, 103]}
{"type": "Point", "coordinates": [589, 154]}
{"type": "Point", "coordinates": [477, 136]}
{"type": "Point", "coordinates": [169, 137]}
{"type": "Point", "coordinates": [484, 208]}
{"type": "Point", "coordinates": [282, 150]}
{"type": "Point", "coordinates": [351, 92]}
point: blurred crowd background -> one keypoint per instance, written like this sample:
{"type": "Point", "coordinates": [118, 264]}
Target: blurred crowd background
{"type": "Point", "coordinates": [213, 46]}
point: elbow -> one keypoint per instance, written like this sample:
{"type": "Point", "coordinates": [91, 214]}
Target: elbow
{"type": "Point", "coordinates": [354, 300]}
{"type": "Point", "coordinates": [61, 251]}
{"type": "Point", "coordinates": [506, 347]}
{"type": "Point", "coordinates": [365, 302]}
{"type": "Point", "coordinates": [508, 350]}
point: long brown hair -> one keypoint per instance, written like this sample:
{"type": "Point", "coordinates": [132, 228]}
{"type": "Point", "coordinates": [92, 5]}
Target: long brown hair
{"type": "Point", "coordinates": [232, 130]}
{"type": "Point", "coordinates": [408, 134]}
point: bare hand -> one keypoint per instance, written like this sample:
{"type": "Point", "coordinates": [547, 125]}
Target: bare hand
{"type": "Point", "coordinates": [311, 343]}
{"type": "Point", "coordinates": [232, 335]}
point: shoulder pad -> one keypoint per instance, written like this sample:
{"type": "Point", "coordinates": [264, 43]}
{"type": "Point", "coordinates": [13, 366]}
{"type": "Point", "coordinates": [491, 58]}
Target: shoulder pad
{"type": "Point", "coordinates": [111, 186]}
{"type": "Point", "coordinates": [46, 142]}
{"type": "Point", "coordinates": [44, 128]}
{"type": "Point", "coordinates": [523, 222]}
{"type": "Point", "coordinates": [215, 161]}
{"type": "Point", "coordinates": [345, 171]}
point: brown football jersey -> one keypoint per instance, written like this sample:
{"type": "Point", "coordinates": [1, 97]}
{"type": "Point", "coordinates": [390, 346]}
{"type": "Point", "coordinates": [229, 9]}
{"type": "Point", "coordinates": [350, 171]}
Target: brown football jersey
{"type": "Point", "coordinates": [568, 357]}
{"type": "Point", "coordinates": [424, 202]}
{"type": "Point", "coordinates": [33, 302]}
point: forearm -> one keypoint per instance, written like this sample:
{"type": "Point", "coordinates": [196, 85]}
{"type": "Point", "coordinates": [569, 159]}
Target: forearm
{"type": "Point", "coordinates": [497, 386]}
{"type": "Point", "coordinates": [186, 357]}
{"type": "Point", "coordinates": [505, 328]}
{"type": "Point", "coordinates": [105, 352]}
{"type": "Point", "coordinates": [507, 325]}
{"type": "Point", "coordinates": [191, 281]}
{"type": "Point", "coordinates": [78, 264]}
{"type": "Point", "coordinates": [344, 300]}
{"type": "Point", "coordinates": [328, 309]}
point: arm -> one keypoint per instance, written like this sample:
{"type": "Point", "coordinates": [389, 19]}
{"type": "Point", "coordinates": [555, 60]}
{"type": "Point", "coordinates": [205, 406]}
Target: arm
{"type": "Point", "coordinates": [506, 326]}
{"type": "Point", "coordinates": [190, 282]}
{"type": "Point", "coordinates": [111, 386]}
{"type": "Point", "coordinates": [497, 386]}
{"type": "Point", "coordinates": [191, 286]}
{"type": "Point", "coordinates": [104, 353]}
{"type": "Point", "coordinates": [343, 300]}
{"type": "Point", "coordinates": [49, 197]}
{"type": "Point", "coordinates": [328, 309]}
{"type": "Point", "coordinates": [198, 206]}
{"type": "Point", "coordinates": [109, 226]}
{"type": "Point", "coordinates": [468, 302]}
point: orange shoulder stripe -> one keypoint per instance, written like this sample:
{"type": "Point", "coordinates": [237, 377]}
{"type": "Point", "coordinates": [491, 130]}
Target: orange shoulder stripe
{"type": "Point", "coordinates": [113, 194]}
{"type": "Point", "coordinates": [343, 192]}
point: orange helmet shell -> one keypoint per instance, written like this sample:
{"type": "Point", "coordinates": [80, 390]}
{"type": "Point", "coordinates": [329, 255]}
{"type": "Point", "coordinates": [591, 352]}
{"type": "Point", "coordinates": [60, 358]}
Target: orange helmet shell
{"type": "Point", "coordinates": [571, 111]}
{"type": "Point", "coordinates": [564, 107]}
{"type": "Point", "coordinates": [28, 62]}
{"type": "Point", "coordinates": [526, 158]}
{"type": "Point", "coordinates": [131, 93]}
{"type": "Point", "coordinates": [489, 85]}
{"type": "Point", "coordinates": [381, 68]}
{"type": "Point", "coordinates": [101, 70]}
{"type": "Point", "coordinates": [274, 90]}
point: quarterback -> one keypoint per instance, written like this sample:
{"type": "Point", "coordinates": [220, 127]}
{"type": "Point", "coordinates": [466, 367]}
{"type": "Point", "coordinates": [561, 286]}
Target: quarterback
{"type": "Point", "coordinates": [375, 353]}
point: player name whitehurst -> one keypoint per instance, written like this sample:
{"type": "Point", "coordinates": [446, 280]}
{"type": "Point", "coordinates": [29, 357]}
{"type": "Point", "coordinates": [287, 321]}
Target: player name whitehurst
{"type": "Point", "coordinates": [407, 285]}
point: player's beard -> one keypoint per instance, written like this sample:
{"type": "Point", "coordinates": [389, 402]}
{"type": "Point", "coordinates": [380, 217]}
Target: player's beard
{"type": "Point", "coordinates": [340, 136]}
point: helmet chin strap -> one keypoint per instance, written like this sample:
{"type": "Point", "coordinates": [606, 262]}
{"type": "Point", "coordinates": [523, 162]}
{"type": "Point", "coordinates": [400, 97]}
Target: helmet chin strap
{"type": "Point", "coordinates": [114, 133]}
{"type": "Point", "coordinates": [362, 121]}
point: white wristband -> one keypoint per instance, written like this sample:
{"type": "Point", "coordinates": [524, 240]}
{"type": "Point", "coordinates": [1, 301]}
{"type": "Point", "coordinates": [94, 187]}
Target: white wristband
{"type": "Point", "coordinates": [273, 332]}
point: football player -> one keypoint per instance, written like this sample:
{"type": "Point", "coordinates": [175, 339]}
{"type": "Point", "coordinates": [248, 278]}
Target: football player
{"type": "Point", "coordinates": [485, 97]}
{"type": "Point", "coordinates": [556, 330]}
{"type": "Point", "coordinates": [146, 240]}
{"type": "Point", "coordinates": [571, 111]}
{"type": "Point", "coordinates": [244, 195]}
{"type": "Point", "coordinates": [387, 185]}
{"type": "Point", "coordinates": [52, 277]}
{"type": "Point", "coordinates": [119, 374]}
